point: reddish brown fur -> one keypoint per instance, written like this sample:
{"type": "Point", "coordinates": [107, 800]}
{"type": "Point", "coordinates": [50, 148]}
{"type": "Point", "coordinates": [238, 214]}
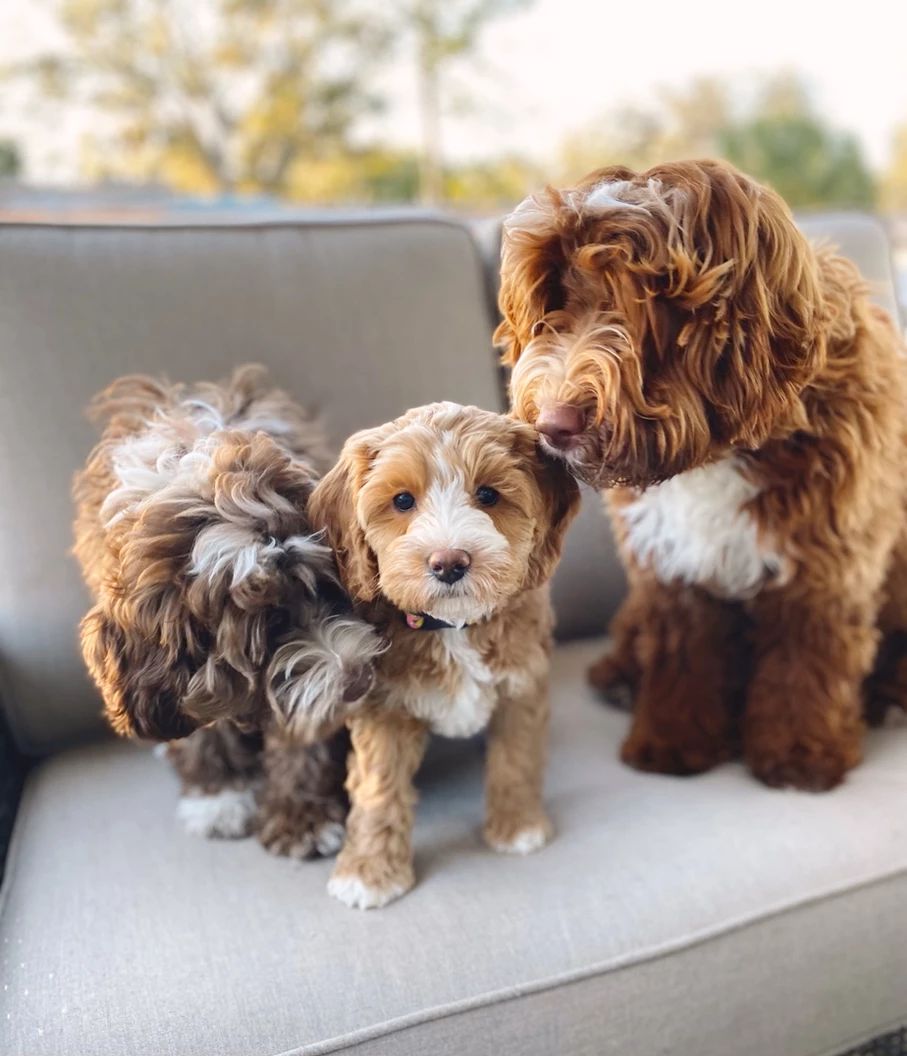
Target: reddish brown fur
{"type": "Point", "coordinates": [694, 322]}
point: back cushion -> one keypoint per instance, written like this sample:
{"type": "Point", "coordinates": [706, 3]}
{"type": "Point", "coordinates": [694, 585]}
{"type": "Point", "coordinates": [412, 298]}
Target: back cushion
{"type": "Point", "coordinates": [359, 318]}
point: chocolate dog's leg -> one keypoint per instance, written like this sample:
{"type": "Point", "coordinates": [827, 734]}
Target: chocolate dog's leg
{"type": "Point", "coordinates": [303, 803]}
{"type": "Point", "coordinates": [220, 770]}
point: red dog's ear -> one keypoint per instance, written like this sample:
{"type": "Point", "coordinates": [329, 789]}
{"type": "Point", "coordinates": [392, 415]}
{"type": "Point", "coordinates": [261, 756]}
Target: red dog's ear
{"type": "Point", "coordinates": [332, 507]}
{"type": "Point", "coordinates": [748, 284]}
{"type": "Point", "coordinates": [559, 503]}
{"type": "Point", "coordinates": [532, 263]}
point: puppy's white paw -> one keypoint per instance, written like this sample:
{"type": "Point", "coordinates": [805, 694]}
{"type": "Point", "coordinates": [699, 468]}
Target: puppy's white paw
{"type": "Point", "coordinates": [524, 842]}
{"type": "Point", "coordinates": [229, 814]}
{"type": "Point", "coordinates": [354, 892]}
{"type": "Point", "coordinates": [329, 838]}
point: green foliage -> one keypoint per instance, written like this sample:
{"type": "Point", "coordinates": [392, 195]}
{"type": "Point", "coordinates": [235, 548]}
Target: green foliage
{"type": "Point", "coordinates": [10, 160]}
{"type": "Point", "coordinates": [807, 163]}
{"type": "Point", "coordinates": [441, 31]}
{"type": "Point", "coordinates": [894, 182]}
{"type": "Point", "coordinates": [777, 137]}
{"type": "Point", "coordinates": [220, 95]}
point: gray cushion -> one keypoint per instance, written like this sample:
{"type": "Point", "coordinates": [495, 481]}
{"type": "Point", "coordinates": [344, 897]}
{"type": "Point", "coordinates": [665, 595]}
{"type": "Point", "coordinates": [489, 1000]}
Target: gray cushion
{"type": "Point", "coordinates": [705, 915]}
{"type": "Point", "coordinates": [863, 239]}
{"type": "Point", "coordinates": [362, 318]}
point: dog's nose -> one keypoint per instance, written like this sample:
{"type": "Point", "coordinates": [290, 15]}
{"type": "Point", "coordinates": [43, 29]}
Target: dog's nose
{"type": "Point", "coordinates": [449, 565]}
{"type": "Point", "coordinates": [560, 423]}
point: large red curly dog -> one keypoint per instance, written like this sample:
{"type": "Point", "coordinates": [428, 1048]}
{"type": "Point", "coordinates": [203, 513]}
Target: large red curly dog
{"type": "Point", "coordinates": [677, 340]}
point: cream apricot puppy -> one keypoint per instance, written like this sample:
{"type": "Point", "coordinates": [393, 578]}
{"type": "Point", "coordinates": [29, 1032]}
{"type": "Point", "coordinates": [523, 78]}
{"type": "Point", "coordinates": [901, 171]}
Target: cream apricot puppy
{"type": "Point", "coordinates": [447, 524]}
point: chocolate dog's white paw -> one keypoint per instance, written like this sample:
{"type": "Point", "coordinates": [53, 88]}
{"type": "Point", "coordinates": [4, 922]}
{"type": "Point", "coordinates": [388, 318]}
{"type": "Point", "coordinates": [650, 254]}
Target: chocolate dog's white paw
{"type": "Point", "coordinates": [228, 814]}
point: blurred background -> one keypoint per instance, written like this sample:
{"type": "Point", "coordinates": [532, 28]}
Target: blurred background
{"type": "Point", "coordinates": [151, 109]}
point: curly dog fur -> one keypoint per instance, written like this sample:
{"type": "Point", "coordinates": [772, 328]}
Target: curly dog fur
{"type": "Point", "coordinates": [447, 513]}
{"type": "Point", "coordinates": [678, 342]}
{"type": "Point", "coordinates": [218, 616]}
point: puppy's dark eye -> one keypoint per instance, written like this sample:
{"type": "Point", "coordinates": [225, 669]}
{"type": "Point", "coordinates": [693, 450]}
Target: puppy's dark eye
{"type": "Point", "coordinates": [487, 496]}
{"type": "Point", "coordinates": [404, 501]}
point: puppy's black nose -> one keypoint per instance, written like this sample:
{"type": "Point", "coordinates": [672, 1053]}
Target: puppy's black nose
{"type": "Point", "coordinates": [449, 565]}
{"type": "Point", "coordinates": [560, 423]}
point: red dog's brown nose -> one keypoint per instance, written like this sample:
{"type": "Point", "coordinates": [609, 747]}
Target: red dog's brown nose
{"type": "Point", "coordinates": [449, 565]}
{"type": "Point", "coordinates": [560, 423]}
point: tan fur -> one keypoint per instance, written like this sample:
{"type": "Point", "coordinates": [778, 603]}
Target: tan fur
{"type": "Point", "coordinates": [692, 322]}
{"type": "Point", "coordinates": [455, 681]}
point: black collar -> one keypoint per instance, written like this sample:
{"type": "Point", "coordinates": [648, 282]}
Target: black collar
{"type": "Point", "coordinates": [421, 621]}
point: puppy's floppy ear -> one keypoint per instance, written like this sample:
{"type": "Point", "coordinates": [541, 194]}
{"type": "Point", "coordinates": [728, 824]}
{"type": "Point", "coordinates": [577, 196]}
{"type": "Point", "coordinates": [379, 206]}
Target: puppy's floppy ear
{"type": "Point", "coordinates": [559, 504]}
{"type": "Point", "coordinates": [142, 689]}
{"type": "Point", "coordinates": [332, 507]}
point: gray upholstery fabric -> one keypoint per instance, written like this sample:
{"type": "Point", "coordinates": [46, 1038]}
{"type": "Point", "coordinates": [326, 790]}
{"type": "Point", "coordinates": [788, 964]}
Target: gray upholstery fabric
{"type": "Point", "coordinates": [705, 915]}
{"type": "Point", "coordinates": [863, 239]}
{"type": "Point", "coordinates": [361, 318]}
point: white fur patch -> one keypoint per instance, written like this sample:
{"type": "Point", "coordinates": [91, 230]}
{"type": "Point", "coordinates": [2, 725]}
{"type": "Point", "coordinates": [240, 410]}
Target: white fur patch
{"type": "Point", "coordinates": [524, 842]}
{"type": "Point", "coordinates": [329, 838]}
{"type": "Point", "coordinates": [230, 546]}
{"type": "Point", "coordinates": [446, 518]}
{"type": "Point", "coordinates": [356, 894]}
{"type": "Point", "coordinates": [469, 709]}
{"type": "Point", "coordinates": [610, 195]}
{"type": "Point", "coordinates": [229, 814]}
{"type": "Point", "coordinates": [694, 528]}
{"type": "Point", "coordinates": [308, 675]}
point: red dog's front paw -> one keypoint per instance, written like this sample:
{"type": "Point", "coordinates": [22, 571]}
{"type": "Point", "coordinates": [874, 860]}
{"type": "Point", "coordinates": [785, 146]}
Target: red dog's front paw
{"type": "Point", "coordinates": [646, 750]}
{"type": "Point", "coordinates": [811, 765]}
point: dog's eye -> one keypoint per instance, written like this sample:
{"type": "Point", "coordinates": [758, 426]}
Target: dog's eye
{"type": "Point", "coordinates": [404, 501]}
{"type": "Point", "coordinates": [487, 496]}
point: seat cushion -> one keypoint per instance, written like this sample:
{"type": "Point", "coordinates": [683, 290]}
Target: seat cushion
{"type": "Point", "coordinates": [706, 915]}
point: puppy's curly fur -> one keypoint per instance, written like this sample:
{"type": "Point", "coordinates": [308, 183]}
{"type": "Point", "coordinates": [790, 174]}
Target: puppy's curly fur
{"type": "Point", "coordinates": [746, 402]}
{"type": "Point", "coordinates": [216, 608]}
{"type": "Point", "coordinates": [446, 477]}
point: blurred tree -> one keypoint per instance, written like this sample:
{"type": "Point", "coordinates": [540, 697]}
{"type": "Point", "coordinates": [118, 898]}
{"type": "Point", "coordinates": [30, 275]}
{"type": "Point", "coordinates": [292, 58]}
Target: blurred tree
{"type": "Point", "coordinates": [491, 185]}
{"type": "Point", "coordinates": [10, 160]}
{"type": "Point", "coordinates": [785, 143]}
{"type": "Point", "coordinates": [681, 123]}
{"type": "Point", "coordinates": [215, 95]}
{"type": "Point", "coordinates": [778, 138]}
{"type": "Point", "coordinates": [443, 30]}
{"type": "Point", "coordinates": [894, 180]}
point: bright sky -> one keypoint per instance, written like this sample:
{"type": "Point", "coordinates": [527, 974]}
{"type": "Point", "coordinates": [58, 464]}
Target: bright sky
{"type": "Point", "coordinates": [562, 64]}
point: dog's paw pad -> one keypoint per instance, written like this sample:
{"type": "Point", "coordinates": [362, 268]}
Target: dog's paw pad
{"type": "Point", "coordinates": [329, 838]}
{"type": "Point", "coordinates": [525, 841]}
{"type": "Point", "coordinates": [228, 814]}
{"type": "Point", "coordinates": [354, 892]}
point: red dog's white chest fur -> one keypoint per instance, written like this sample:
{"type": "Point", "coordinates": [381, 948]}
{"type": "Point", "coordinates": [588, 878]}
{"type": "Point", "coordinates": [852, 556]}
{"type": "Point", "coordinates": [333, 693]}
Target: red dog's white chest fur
{"type": "Point", "coordinates": [695, 528]}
